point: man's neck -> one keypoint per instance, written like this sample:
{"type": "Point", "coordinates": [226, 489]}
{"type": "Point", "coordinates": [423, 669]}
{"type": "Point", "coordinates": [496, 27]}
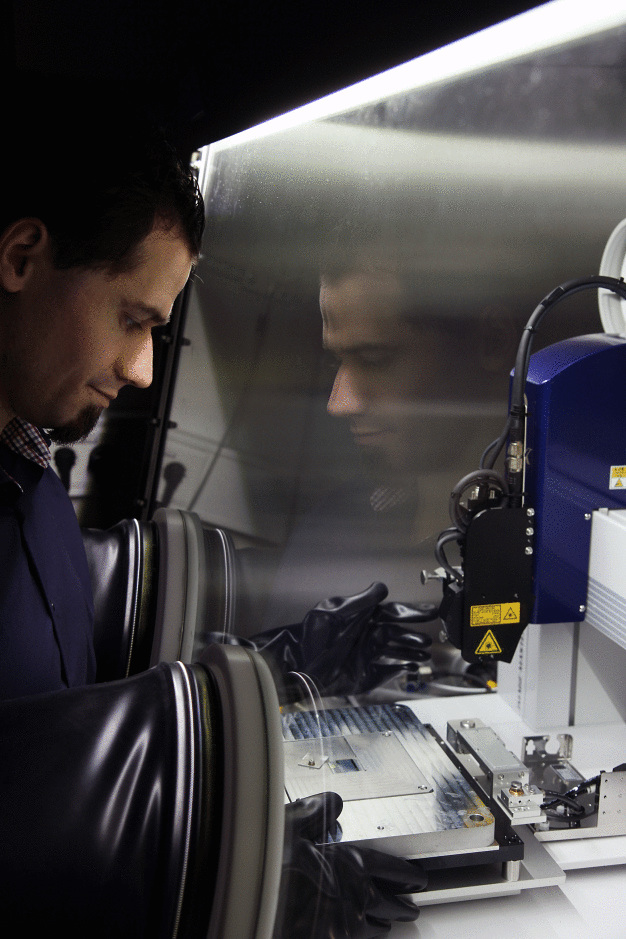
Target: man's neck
{"type": "Point", "coordinates": [6, 411]}
{"type": "Point", "coordinates": [6, 415]}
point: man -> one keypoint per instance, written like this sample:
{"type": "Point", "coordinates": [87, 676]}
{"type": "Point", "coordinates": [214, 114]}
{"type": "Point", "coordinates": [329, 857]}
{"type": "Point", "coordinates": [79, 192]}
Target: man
{"type": "Point", "coordinates": [390, 366]}
{"type": "Point", "coordinates": [416, 386]}
{"type": "Point", "coordinates": [413, 380]}
{"type": "Point", "coordinates": [111, 793]}
{"type": "Point", "coordinates": [93, 253]}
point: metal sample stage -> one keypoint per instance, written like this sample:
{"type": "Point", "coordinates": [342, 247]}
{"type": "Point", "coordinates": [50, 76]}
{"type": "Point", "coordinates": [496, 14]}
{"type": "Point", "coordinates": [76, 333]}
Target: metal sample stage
{"type": "Point", "coordinates": [402, 792]}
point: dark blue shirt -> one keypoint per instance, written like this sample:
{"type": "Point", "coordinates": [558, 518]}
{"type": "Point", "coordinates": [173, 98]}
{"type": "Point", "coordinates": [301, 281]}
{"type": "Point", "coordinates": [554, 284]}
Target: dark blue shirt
{"type": "Point", "coordinates": [46, 604]}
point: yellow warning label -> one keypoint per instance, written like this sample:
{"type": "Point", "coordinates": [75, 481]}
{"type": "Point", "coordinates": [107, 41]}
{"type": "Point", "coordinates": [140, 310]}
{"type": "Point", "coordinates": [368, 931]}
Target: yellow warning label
{"type": "Point", "coordinates": [488, 644]}
{"type": "Point", "coordinates": [494, 614]}
{"type": "Point", "coordinates": [618, 477]}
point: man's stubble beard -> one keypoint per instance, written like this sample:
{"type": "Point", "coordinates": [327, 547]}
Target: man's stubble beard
{"type": "Point", "coordinates": [77, 429]}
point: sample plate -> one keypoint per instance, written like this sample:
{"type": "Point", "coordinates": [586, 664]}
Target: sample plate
{"type": "Point", "coordinates": [401, 792]}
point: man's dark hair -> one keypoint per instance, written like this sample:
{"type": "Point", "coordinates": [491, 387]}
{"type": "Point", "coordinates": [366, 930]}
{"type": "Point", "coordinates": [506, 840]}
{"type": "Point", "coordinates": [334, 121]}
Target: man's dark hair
{"type": "Point", "coordinates": [100, 181]}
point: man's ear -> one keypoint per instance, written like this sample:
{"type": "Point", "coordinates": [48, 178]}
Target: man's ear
{"type": "Point", "coordinates": [21, 246]}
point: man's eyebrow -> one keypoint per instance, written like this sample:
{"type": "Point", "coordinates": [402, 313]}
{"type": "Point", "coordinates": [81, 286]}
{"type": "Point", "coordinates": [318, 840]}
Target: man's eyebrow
{"type": "Point", "coordinates": [357, 347]}
{"type": "Point", "coordinates": [148, 312]}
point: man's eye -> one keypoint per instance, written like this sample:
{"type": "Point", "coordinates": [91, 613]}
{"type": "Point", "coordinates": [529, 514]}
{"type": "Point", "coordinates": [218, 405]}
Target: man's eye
{"type": "Point", "coordinates": [130, 324]}
{"type": "Point", "coordinates": [376, 358]}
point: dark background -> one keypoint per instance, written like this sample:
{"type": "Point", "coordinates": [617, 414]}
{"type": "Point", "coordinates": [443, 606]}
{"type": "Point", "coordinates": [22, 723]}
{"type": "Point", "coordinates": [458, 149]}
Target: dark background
{"type": "Point", "coordinates": [210, 69]}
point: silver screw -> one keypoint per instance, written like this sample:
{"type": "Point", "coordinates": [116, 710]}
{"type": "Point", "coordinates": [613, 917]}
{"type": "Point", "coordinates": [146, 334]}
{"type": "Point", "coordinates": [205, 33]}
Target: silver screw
{"type": "Point", "coordinates": [528, 550]}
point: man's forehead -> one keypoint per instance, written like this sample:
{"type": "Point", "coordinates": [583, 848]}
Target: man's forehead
{"type": "Point", "coordinates": [363, 289]}
{"type": "Point", "coordinates": [361, 301]}
{"type": "Point", "coordinates": [163, 269]}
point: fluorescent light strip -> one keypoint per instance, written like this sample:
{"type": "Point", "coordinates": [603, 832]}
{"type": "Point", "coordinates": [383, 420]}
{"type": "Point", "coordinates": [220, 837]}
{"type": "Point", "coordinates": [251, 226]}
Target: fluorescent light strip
{"type": "Point", "coordinates": [551, 25]}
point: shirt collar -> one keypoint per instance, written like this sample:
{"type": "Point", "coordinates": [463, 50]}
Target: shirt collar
{"type": "Point", "coordinates": [27, 440]}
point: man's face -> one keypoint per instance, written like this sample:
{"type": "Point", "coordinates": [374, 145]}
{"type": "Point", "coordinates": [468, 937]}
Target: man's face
{"type": "Point", "coordinates": [385, 366]}
{"type": "Point", "coordinates": [71, 339]}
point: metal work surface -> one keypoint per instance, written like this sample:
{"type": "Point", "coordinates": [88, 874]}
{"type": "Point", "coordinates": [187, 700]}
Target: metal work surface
{"type": "Point", "coordinates": [401, 791]}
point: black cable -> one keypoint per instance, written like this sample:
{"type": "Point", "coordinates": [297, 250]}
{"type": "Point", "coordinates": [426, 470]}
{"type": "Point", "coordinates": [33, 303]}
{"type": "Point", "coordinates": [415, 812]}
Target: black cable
{"type": "Point", "coordinates": [555, 296]}
{"type": "Point", "coordinates": [515, 428]}
{"type": "Point", "coordinates": [573, 811]}
{"type": "Point", "coordinates": [495, 448]}
{"type": "Point", "coordinates": [461, 517]}
{"type": "Point", "coordinates": [450, 534]}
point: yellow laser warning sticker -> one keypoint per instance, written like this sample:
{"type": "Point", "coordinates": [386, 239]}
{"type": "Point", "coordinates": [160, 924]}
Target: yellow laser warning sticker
{"type": "Point", "coordinates": [488, 644]}
{"type": "Point", "coordinates": [618, 477]}
{"type": "Point", "coordinates": [494, 614]}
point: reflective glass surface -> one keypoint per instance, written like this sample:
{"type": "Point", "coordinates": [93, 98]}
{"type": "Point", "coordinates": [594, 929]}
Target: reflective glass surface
{"type": "Point", "coordinates": [355, 314]}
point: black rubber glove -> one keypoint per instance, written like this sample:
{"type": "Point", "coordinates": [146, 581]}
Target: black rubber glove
{"type": "Point", "coordinates": [339, 890]}
{"type": "Point", "coordinates": [346, 645]}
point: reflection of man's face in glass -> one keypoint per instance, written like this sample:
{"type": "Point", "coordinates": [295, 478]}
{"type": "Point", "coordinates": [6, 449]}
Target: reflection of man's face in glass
{"type": "Point", "coordinates": [386, 365]}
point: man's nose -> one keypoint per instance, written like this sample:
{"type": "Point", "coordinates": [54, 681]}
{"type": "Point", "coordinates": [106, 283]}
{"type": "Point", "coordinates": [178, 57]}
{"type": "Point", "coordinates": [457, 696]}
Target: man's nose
{"type": "Point", "coordinates": [345, 398]}
{"type": "Point", "coordinates": [135, 365]}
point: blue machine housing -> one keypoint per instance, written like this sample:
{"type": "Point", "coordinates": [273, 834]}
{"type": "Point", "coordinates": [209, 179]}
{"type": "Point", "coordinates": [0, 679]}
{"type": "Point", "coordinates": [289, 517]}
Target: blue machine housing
{"type": "Point", "coordinates": [575, 444]}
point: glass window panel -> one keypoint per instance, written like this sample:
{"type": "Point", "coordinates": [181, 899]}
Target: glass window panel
{"type": "Point", "coordinates": [433, 219]}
